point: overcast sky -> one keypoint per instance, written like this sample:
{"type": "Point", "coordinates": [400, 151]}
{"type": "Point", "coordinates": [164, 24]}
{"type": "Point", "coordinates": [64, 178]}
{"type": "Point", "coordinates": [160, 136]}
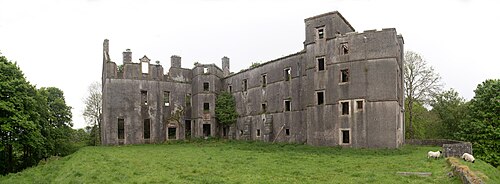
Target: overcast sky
{"type": "Point", "coordinates": [59, 42]}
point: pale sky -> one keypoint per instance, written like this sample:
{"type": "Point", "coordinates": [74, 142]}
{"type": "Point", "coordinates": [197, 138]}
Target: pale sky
{"type": "Point", "coordinates": [59, 42]}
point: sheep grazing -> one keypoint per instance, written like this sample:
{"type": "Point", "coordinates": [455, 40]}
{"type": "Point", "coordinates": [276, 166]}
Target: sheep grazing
{"type": "Point", "coordinates": [434, 154]}
{"type": "Point", "coordinates": [468, 157]}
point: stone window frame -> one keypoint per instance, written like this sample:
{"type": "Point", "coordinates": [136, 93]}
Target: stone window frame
{"type": "Point", "coordinates": [206, 86]}
{"type": "Point", "coordinates": [263, 81]}
{"type": "Point", "coordinates": [245, 85]}
{"type": "Point", "coordinates": [258, 133]}
{"type": "Point", "coordinates": [317, 97]}
{"type": "Point", "coordinates": [144, 128]}
{"type": "Point", "coordinates": [289, 74]}
{"type": "Point", "coordinates": [263, 107]}
{"type": "Point", "coordinates": [144, 97]}
{"type": "Point", "coordinates": [285, 106]}
{"type": "Point", "coordinates": [344, 48]}
{"type": "Point", "coordinates": [230, 88]}
{"type": "Point", "coordinates": [205, 70]}
{"type": "Point", "coordinates": [166, 98]}
{"type": "Point", "coordinates": [341, 136]}
{"type": "Point", "coordinates": [287, 132]}
{"type": "Point", "coordinates": [318, 65]}
{"type": "Point", "coordinates": [341, 78]}
{"type": "Point", "coordinates": [188, 100]}
{"type": "Point", "coordinates": [118, 129]}
{"type": "Point", "coordinates": [320, 32]}
{"type": "Point", "coordinates": [341, 107]}
{"type": "Point", "coordinates": [357, 109]}
{"type": "Point", "coordinates": [206, 110]}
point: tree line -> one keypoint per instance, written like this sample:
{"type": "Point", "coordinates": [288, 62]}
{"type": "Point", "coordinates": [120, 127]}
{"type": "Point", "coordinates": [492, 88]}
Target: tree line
{"type": "Point", "coordinates": [35, 124]}
{"type": "Point", "coordinates": [433, 113]}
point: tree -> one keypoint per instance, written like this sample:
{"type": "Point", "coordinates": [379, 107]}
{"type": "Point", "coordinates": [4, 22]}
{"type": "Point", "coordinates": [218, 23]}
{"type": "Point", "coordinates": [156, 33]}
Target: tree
{"type": "Point", "coordinates": [426, 124]}
{"type": "Point", "coordinates": [93, 110]}
{"type": "Point", "coordinates": [421, 83]}
{"type": "Point", "coordinates": [482, 123]}
{"type": "Point", "coordinates": [450, 108]}
{"type": "Point", "coordinates": [225, 110]}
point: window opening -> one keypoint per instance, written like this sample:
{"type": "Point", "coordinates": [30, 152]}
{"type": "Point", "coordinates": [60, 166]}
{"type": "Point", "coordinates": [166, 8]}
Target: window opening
{"type": "Point", "coordinates": [288, 105]}
{"type": "Point", "coordinates": [188, 100]}
{"type": "Point", "coordinates": [345, 137]}
{"type": "Point", "coordinates": [344, 49]}
{"type": "Point", "coordinates": [206, 107]}
{"type": "Point", "coordinates": [264, 107]}
{"type": "Point", "coordinates": [121, 129]}
{"type": "Point", "coordinates": [187, 130]}
{"type": "Point", "coordinates": [287, 74]}
{"type": "Point", "coordinates": [147, 129]}
{"type": "Point", "coordinates": [206, 130]}
{"type": "Point", "coordinates": [321, 97]}
{"type": "Point", "coordinates": [166, 98]}
{"type": "Point", "coordinates": [258, 132]}
{"type": "Point", "coordinates": [287, 132]}
{"type": "Point", "coordinates": [321, 64]}
{"type": "Point", "coordinates": [205, 70]}
{"type": "Point", "coordinates": [172, 131]}
{"type": "Point", "coordinates": [359, 104]}
{"type": "Point", "coordinates": [344, 75]}
{"type": "Point", "coordinates": [230, 88]}
{"type": "Point", "coordinates": [245, 84]}
{"type": "Point", "coordinates": [321, 33]}
{"type": "Point", "coordinates": [345, 108]}
{"type": "Point", "coordinates": [144, 97]}
{"type": "Point", "coordinates": [264, 80]}
{"type": "Point", "coordinates": [206, 86]}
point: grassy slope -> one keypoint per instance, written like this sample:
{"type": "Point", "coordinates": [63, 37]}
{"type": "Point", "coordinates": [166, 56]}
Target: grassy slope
{"type": "Point", "coordinates": [485, 171]}
{"type": "Point", "coordinates": [237, 162]}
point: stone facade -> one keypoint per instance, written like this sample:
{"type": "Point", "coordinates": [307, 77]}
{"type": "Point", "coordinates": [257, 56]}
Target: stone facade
{"type": "Point", "coordinates": [344, 88]}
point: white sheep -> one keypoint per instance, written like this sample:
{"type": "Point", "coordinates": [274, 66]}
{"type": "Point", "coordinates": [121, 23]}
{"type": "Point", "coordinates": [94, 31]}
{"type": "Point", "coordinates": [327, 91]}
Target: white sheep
{"type": "Point", "coordinates": [468, 157]}
{"type": "Point", "coordinates": [434, 154]}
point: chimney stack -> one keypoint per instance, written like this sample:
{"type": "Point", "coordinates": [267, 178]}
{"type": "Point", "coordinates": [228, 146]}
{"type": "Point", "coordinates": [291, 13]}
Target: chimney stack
{"type": "Point", "coordinates": [127, 56]}
{"type": "Point", "coordinates": [225, 66]}
{"type": "Point", "coordinates": [175, 61]}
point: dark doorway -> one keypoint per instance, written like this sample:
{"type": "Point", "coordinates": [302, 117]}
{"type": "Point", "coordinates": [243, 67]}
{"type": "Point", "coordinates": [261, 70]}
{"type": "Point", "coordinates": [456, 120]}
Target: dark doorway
{"type": "Point", "coordinates": [172, 132]}
{"type": "Point", "coordinates": [206, 130]}
{"type": "Point", "coordinates": [187, 130]}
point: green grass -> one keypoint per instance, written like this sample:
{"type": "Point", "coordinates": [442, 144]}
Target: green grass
{"type": "Point", "coordinates": [237, 162]}
{"type": "Point", "coordinates": [485, 171]}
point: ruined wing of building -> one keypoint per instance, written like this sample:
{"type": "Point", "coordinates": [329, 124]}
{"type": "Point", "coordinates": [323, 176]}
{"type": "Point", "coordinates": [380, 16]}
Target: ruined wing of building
{"type": "Point", "coordinates": [344, 88]}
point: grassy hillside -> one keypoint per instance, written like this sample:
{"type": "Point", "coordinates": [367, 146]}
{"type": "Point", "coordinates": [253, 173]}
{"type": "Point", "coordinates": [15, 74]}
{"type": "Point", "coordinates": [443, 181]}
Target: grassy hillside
{"type": "Point", "coordinates": [237, 162]}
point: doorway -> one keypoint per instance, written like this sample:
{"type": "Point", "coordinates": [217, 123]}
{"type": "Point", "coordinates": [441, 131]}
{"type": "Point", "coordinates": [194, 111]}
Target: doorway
{"type": "Point", "coordinates": [206, 130]}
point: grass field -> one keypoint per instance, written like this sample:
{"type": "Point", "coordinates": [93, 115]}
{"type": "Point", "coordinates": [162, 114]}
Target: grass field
{"type": "Point", "coordinates": [237, 162]}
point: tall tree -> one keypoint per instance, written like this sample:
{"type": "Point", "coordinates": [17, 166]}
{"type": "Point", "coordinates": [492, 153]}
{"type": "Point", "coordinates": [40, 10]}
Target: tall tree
{"type": "Point", "coordinates": [482, 123]}
{"type": "Point", "coordinates": [225, 110]}
{"type": "Point", "coordinates": [93, 111]}
{"type": "Point", "coordinates": [451, 109]}
{"type": "Point", "coordinates": [421, 83]}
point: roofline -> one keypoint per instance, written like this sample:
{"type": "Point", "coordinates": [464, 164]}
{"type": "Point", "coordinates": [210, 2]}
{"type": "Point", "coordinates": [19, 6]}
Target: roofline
{"type": "Point", "coordinates": [331, 13]}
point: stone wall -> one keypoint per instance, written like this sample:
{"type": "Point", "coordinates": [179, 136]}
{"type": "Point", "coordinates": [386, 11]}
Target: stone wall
{"type": "Point", "coordinates": [450, 148]}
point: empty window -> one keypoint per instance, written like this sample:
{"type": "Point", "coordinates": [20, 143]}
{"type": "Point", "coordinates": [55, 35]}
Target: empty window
{"type": "Point", "coordinates": [258, 132]}
{"type": "Point", "coordinates": [264, 107]}
{"type": "Point", "coordinates": [147, 129]}
{"type": "Point", "coordinates": [245, 85]}
{"type": "Point", "coordinates": [206, 107]}
{"type": "Point", "coordinates": [344, 49]}
{"type": "Point", "coordinates": [241, 132]}
{"type": "Point", "coordinates": [121, 129]}
{"type": "Point", "coordinates": [287, 74]}
{"type": "Point", "coordinates": [187, 129]}
{"type": "Point", "coordinates": [344, 75]}
{"type": "Point", "coordinates": [345, 137]}
{"type": "Point", "coordinates": [320, 97]}
{"type": "Point", "coordinates": [207, 130]}
{"type": "Point", "coordinates": [321, 33]}
{"type": "Point", "coordinates": [188, 100]}
{"type": "Point", "coordinates": [264, 80]}
{"type": "Point", "coordinates": [321, 64]}
{"type": "Point", "coordinates": [206, 86]}
{"type": "Point", "coordinates": [287, 132]}
{"type": "Point", "coordinates": [205, 70]}
{"type": "Point", "coordinates": [172, 133]}
{"type": "Point", "coordinates": [166, 98]}
{"type": "Point", "coordinates": [359, 105]}
{"type": "Point", "coordinates": [345, 108]}
{"type": "Point", "coordinates": [144, 97]}
{"type": "Point", "coordinates": [288, 105]}
{"type": "Point", "coordinates": [230, 88]}
{"type": "Point", "coordinates": [145, 67]}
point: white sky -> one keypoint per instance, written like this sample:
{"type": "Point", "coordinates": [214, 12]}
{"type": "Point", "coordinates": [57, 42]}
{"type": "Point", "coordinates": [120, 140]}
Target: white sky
{"type": "Point", "coordinates": [59, 42]}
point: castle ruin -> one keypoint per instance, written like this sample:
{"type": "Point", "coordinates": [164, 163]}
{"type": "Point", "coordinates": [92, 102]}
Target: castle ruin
{"type": "Point", "coordinates": [344, 88]}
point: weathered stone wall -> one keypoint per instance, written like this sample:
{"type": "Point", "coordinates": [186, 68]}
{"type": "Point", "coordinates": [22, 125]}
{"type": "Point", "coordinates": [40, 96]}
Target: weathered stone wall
{"type": "Point", "coordinates": [373, 91]}
{"type": "Point", "coordinates": [450, 148]}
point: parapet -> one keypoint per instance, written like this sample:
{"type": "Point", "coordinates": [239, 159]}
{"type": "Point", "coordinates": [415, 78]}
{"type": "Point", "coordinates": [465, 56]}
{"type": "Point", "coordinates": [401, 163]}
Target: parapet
{"type": "Point", "coordinates": [175, 61]}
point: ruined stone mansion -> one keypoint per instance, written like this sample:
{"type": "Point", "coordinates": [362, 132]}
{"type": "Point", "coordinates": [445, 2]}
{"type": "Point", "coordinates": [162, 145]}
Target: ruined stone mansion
{"type": "Point", "coordinates": [344, 88]}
